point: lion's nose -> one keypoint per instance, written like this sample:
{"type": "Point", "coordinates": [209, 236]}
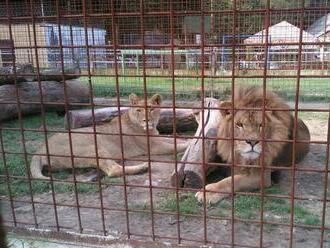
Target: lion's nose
{"type": "Point", "coordinates": [252, 142]}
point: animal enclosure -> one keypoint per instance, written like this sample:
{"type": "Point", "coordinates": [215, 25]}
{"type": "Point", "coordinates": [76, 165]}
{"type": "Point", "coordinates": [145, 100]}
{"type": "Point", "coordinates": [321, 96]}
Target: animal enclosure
{"type": "Point", "coordinates": [68, 69]}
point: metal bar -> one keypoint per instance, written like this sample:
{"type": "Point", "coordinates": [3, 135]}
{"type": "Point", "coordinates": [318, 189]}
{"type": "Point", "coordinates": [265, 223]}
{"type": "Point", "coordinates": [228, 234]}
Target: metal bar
{"type": "Point", "coordinates": [326, 183]}
{"type": "Point", "coordinates": [177, 198]}
{"type": "Point", "coordinates": [202, 47]}
{"type": "Point", "coordinates": [157, 48]}
{"type": "Point", "coordinates": [175, 13]}
{"type": "Point", "coordinates": [7, 178]}
{"type": "Point", "coordinates": [43, 117]}
{"type": "Point", "coordinates": [113, 29]}
{"type": "Point", "coordinates": [308, 198]}
{"type": "Point", "coordinates": [171, 213]}
{"type": "Point", "coordinates": [142, 29]}
{"type": "Point", "coordinates": [85, 15]}
{"type": "Point", "coordinates": [185, 76]}
{"type": "Point", "coordinates": [20, 117]}
{"type": "Point", "coordinates": [262, 169]}
{"type": "Point", "coordinates": [295, 125]}
{"type": "Point", "coordinates": [168, 162]}
{"type": "Point", "coordinates": [233, 53]}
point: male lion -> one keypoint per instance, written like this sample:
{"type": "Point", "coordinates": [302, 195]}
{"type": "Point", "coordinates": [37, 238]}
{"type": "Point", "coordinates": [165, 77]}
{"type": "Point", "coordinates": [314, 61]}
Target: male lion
{"type": "Point", "coordinates": [248, 126]}
{"type": "Point", "coordinates": [133, 122]}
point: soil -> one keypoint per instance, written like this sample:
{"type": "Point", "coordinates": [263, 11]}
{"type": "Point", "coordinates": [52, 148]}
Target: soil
{"type": "Point", "coordinates": [307, 184]}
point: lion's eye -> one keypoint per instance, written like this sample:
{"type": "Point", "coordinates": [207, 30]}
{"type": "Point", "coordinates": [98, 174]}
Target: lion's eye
{"type": "Point", "coordinates": [151, 109]}
{"type": "Point", "coordinates": [239, 124]}
{"type": "Point", "coordinates": [138, 110]}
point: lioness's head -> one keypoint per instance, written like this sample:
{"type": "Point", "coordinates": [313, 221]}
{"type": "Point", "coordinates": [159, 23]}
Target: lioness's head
{"type": "Point", "coordinates": [142, 117]}
{"type": "Point", "coordinates": [249, 125]}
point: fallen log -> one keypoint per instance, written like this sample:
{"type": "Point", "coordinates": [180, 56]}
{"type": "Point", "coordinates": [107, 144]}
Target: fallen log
{"type": "Point", "coordinates": [192, 175]}
{"type": "Point", "coordinates": [29, 96]}
{"type": "Point", "coordinates": [185, 118]}
{"type": "Point", "coordinates": [7, 74]}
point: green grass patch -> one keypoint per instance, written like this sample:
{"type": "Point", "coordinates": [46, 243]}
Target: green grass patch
{"type": "Point", "coordinates": [246, 207]}
{"type": "Point", "coordinates": [187, 203]}
{"type": "Point", "coordinates": [12, 141]}
{"type": "Point", "coordinates": [140, 206]}
{"type": "Point", "coordinates": [275, 209]}
{"type": "Point", "coordinates": [21, 187]}
{"type": "Point", "coordinates": [311, 89]}
{"type": "Point", "coordinates": [17, 164]}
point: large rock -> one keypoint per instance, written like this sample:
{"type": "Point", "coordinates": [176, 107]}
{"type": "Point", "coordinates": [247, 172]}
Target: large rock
{"type": "Point", "coordinates": [29, 96]}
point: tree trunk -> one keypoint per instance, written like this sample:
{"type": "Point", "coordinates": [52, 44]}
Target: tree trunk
{"type": "Point", "coordinates": [29, 97]}
{"type": "Point", "coordinates": [192, 175]}
{"type": "Point", "coordinates": [185, 119]}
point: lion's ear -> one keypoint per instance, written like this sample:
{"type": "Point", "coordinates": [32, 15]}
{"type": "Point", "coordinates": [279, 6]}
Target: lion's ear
{"type": "Point", "coordinates": [225, 108]}
{"type": "Point", "coordinates": [156, 99]}
{"type": "Point", "coordinates": [133, 99]}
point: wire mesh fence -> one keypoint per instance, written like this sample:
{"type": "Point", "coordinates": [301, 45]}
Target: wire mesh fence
{"type": "Point", "coordinates": [80, 153]}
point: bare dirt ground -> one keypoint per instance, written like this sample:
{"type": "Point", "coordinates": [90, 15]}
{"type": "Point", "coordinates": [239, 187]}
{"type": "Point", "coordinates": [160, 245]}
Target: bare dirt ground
{"type": "Point", "coordinates": [307, 184]}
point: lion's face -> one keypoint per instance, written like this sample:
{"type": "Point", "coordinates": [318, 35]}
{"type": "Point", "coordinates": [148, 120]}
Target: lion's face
{"type": "Point", "coordinates": [249, 126]}
{"type": "Point", "coordinates": [248, 133]}
{"type": "Point", "coordinates": [141, 117]}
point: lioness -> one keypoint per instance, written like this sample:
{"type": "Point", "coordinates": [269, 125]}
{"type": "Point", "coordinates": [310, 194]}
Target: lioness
{"type": "Point", "coordinates": [133, 122]}
{"type": "Point", "coordinates": [248, 126]}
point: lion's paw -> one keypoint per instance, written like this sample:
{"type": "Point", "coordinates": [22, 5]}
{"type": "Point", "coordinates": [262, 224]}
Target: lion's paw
{"type": "Point", "coordinates": [210, 197]}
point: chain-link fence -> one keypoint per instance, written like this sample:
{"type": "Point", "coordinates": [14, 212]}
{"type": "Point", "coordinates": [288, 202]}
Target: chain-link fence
{"type": "Point", "coordinates": [81, 154]}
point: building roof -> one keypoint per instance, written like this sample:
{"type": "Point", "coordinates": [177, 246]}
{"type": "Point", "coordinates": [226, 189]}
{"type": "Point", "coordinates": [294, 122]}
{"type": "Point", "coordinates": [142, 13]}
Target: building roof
{"type": "Point", "coordinates": [320, 26]}
{"type": "Point", "coordinates": [282, 32]}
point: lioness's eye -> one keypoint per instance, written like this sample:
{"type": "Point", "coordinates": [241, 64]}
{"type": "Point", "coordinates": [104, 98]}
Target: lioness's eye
{"type": "Point", "coordinates": [151, 109]}
{"type": "Point", "coordinates": [239, 124]}
{"type": "Point", "coordinates": [138, 110]}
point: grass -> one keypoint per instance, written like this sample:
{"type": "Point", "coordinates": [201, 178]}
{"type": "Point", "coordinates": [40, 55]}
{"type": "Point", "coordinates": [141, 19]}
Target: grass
{"type": "Point", "coordinates": [17, 164]}
{"type": "Point", "coordinates": [187, 204]}
{"type": "Point", "coordinates": [275, 209]}
{"type": "Point", "coordinates": [311, 89]}
{"type": "Point", "coordinates": [246, 207]}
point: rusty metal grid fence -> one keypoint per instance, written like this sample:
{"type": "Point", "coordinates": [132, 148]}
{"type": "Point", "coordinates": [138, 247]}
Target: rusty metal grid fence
{"type": "Point", "coordinates": [186, 51]}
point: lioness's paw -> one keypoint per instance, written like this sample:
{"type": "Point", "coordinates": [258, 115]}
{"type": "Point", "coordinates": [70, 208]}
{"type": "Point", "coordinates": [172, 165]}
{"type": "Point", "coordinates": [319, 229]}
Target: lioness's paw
{"type": "Point", "coordinates": [144, 166]}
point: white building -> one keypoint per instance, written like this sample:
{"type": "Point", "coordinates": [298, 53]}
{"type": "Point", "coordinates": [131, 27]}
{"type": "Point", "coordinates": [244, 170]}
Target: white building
{"type": "Point", "coordinates": [283, 46]}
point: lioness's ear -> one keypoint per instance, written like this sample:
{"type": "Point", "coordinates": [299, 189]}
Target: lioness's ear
{"type": "Point", "coordinates": [133, 99]}
{"type": "Point", "coordinates": [197, 114]}
{"type": "Point", "coordinates": [225, 108]}
{"type": "Point", "coordinates": [156, 99]}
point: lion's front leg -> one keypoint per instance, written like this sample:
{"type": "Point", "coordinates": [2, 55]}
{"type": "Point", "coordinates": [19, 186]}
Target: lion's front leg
{"type": "Point", "coordinates": [241, 183]}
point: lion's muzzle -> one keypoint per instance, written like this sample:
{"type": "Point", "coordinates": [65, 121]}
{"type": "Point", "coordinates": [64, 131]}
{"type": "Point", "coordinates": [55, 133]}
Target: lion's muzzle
{"type": "Point", "coordinates": [252, 150]}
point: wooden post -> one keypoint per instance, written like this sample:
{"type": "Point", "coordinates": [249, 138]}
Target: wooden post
{"type": "Point", "coordinates": [192, 175]}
